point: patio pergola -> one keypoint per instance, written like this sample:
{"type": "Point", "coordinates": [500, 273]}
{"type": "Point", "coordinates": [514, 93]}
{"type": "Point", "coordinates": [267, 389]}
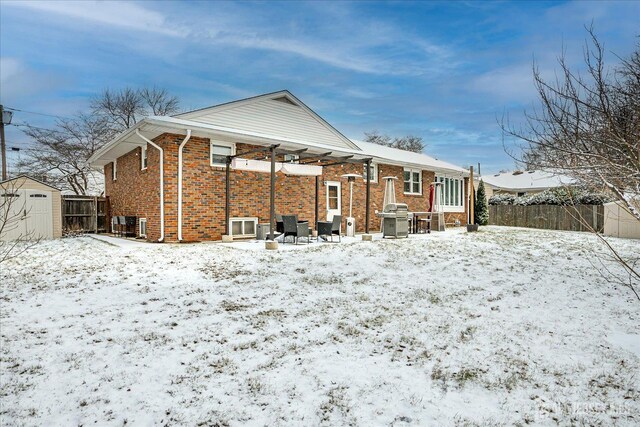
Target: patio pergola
{"type": "Point", "coordinates": [305, 157]}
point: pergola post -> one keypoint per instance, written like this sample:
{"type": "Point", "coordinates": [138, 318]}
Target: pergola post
{"type": "Point", "coordinates": [227, 191]}
{"type": "Point", "coordinates": [317, 201]}
{"type": "Point", "coordinates": [272, 195]}
{"type": "Point", "coordinates": [368, 197]}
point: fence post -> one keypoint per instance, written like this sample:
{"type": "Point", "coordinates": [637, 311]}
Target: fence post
{"type": "Point", "coordinates": [95, 217]}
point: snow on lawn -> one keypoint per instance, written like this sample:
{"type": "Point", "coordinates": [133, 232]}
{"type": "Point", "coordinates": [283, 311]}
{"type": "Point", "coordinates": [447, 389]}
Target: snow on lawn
{"type": "Point", "coordinates": [394, 332]}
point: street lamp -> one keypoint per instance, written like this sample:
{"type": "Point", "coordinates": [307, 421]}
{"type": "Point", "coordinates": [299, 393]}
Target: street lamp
{"type": "Point", "coordinates": [6, 120]}
{"type": "Point", "coordinates": [6, 117]}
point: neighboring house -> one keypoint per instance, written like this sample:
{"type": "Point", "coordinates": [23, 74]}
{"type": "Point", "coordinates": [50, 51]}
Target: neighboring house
{"type": "Point", "coordinates": [171, 172]}
{"type": "Point", "coordinates": [522, 183]}
{"type": "Point", "coordinates": [29, 209]}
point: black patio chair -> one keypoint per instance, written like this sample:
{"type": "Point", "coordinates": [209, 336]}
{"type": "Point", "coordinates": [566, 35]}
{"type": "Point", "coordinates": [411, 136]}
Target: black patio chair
{"type": "Point", "coordinates": [296, 229]}
{"type": "Point", "coordinates": [121, 225]}
{"type": "Point", "coordinates": [330, 228]}
{"type": "Point", "coordinates": [279, 224]}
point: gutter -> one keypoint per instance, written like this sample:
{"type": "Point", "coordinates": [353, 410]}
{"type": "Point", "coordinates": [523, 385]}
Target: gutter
{"type": "Point", "coordinates": [184, 142]}
{"type": "Point", "coordinates": [161, 239]}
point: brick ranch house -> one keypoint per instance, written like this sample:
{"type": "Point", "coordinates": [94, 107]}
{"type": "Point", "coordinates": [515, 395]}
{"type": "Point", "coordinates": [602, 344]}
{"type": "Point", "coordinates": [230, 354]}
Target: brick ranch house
{"type": "Point", "coordinates": [183, 176]}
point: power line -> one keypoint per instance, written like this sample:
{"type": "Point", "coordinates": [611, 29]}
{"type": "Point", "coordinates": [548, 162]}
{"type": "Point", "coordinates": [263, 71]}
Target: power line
{"type": "Point", "coordinates": [27, 125]}
{"type": "Point", "coordinates": [39, 114]}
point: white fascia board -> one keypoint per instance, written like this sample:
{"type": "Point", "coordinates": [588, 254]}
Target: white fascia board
{"type": "Point", "coordinates": [101, 157]}
{"type": "Point", "coordinates": [260, 139]}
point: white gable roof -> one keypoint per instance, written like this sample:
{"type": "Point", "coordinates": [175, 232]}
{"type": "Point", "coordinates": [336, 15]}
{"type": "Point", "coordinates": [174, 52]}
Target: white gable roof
{"type": "Point", "coordinates": [279, 114]}
{"type": "Point", "coordinates": [528, 180]}
{"type": "Point", "coordinates": [383, 154]}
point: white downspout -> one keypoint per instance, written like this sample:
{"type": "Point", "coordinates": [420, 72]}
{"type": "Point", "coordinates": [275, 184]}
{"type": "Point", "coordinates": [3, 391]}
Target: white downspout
{"type": "Point", "coordinates": [161, 182]}
{"type": "Point", "coordinates": [184, 142]}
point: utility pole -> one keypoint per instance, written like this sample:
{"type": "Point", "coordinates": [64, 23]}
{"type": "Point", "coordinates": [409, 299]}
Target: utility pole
{"type": "Point", "coordinates": [3, 146]}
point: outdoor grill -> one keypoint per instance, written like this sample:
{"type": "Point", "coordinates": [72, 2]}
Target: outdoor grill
{"type": "Point", "coordinates": [395, 220]}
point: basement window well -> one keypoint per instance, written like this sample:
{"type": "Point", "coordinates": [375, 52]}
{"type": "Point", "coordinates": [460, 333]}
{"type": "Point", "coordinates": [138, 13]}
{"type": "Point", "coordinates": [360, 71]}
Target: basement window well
{"type": "Point", "coordinates": [243, 227]}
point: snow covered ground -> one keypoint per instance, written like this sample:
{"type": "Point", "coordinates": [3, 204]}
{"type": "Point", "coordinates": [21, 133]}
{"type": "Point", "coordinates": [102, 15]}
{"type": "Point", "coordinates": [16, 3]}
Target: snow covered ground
{"type": "Point", "coordinates": [505, 326]}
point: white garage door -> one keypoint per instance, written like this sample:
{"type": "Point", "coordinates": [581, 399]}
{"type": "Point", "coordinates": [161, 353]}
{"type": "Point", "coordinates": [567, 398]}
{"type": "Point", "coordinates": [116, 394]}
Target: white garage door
{"type": "Point", "coordinates": [29, 214]}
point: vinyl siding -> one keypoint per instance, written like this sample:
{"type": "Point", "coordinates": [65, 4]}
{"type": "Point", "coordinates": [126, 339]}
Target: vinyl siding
{"type": "Point", "coordinates": [56, 199]}
{"type": "Point", "coordinates": [274, 118]}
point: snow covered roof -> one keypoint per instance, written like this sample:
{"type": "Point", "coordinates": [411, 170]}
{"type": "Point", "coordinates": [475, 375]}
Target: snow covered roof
{"type": "Point", "coordinates": [402, 157]}
{"type": "Point", "coordinates": [214, 124]}
{"type": "Point", "coordinates": [527, 180]}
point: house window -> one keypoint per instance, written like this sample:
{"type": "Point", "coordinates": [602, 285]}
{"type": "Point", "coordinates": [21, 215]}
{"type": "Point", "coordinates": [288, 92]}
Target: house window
{"type": "Point", "coordinates": [412, 181]}
{"type": "Point", "coordinates": [143, 158]}
{"type": "Point", "coordinates": [220, 151]}
{"type": "Point", "coordinates": [291, 158]}
{"type": "Point", "coordinates": [452, 193]}
{"type": "Point", "coordinates": [114, 170]}
{"type": "Point", "coordinates": [243, 227]}
{"type": "Point", "coordinates": [373, 170]}
{"type": "Point", "coordinates": [142, 227]}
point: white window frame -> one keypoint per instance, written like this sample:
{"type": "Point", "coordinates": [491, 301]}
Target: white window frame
{"type": "Point", "coordinates": [140, 221]}
{"type": "Point", "coordinates": [114, 170]}
{"type": "Point", "coordinates": [143, 158]}
{"type": "Point", "coordinates": [411, 172]}
{"type": "Point", "coordinates": [448, 200]}
{"type": "Point", "coordinates": [213, 143]}
{"type": "Point", "coordinates": [243, 220]}
{"type": "Point", "coordinates": [374, 175]}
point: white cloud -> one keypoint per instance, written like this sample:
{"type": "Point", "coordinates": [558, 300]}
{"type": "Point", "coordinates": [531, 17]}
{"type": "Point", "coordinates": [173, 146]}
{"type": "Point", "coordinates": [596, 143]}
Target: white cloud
{"type": "Point", "coordinates": [118, 14]}
{"type": "Point", "coordinates": [17, 80]}
{"type": "Point", "coordinates": [365, 46]}
{"type": "Point", "coordinates": [9, 68]}
{"type": "Point", "coordinates": [308, 50]}
{"type": "Point", "coordinates": [511, 83]}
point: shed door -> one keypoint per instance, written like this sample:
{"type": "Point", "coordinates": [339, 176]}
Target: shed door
{"type": "Point", "coordinates": [39, 214]}
{"type": "Point", "coordinates": [13, 205]}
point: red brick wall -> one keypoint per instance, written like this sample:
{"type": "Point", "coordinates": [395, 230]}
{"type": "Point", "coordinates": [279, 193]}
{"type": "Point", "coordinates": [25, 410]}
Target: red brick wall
{"type": "Point", "coordinates": [136, 192]}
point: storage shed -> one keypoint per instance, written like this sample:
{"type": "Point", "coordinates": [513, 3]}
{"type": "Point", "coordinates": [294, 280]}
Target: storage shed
{"type": "Point", "coordinates": [30, 209]}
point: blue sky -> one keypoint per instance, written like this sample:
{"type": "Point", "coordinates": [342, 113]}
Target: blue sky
{"type": "Point", "coordinates": [443, 71]}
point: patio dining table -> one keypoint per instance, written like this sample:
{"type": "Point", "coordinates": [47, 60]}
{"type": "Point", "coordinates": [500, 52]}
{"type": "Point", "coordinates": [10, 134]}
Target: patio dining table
{"type": "Point", "coordinates": [414, 219]}
{"type": "Point", "coordinates": [279, 230]}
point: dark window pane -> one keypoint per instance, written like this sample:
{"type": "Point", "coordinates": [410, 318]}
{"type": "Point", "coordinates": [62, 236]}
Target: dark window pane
{"type": "Point", "coordinates": [236, 227]}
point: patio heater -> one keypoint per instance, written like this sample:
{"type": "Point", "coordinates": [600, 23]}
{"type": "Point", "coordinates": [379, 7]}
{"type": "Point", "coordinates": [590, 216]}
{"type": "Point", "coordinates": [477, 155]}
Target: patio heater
{"type": "Point", "coordinates": [389, 194]}
{"type": "Point", "coordinates": [436, 207]}
{"type": "Point", "coordinates": [351, 221]}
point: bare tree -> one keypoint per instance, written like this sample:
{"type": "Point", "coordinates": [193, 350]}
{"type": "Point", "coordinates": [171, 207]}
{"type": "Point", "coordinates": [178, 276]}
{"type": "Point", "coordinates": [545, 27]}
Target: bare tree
{"type": "Point", "coordinates": [125, 107]}
{"type": "Point", "coordinates": [407, 143]}
{"type": "Point", "coordinates": [588, 126]}
{"type": "Point", "coordinates": [60, 155]}
{"type": "Point", "coordinates": [13, 239]}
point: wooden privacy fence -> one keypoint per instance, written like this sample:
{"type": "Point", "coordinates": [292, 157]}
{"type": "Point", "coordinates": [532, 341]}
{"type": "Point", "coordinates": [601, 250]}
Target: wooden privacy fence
{"type": "Point", "coordinates": [85, 214]}
{"type": "Point", "coordinates": [549, 217]}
